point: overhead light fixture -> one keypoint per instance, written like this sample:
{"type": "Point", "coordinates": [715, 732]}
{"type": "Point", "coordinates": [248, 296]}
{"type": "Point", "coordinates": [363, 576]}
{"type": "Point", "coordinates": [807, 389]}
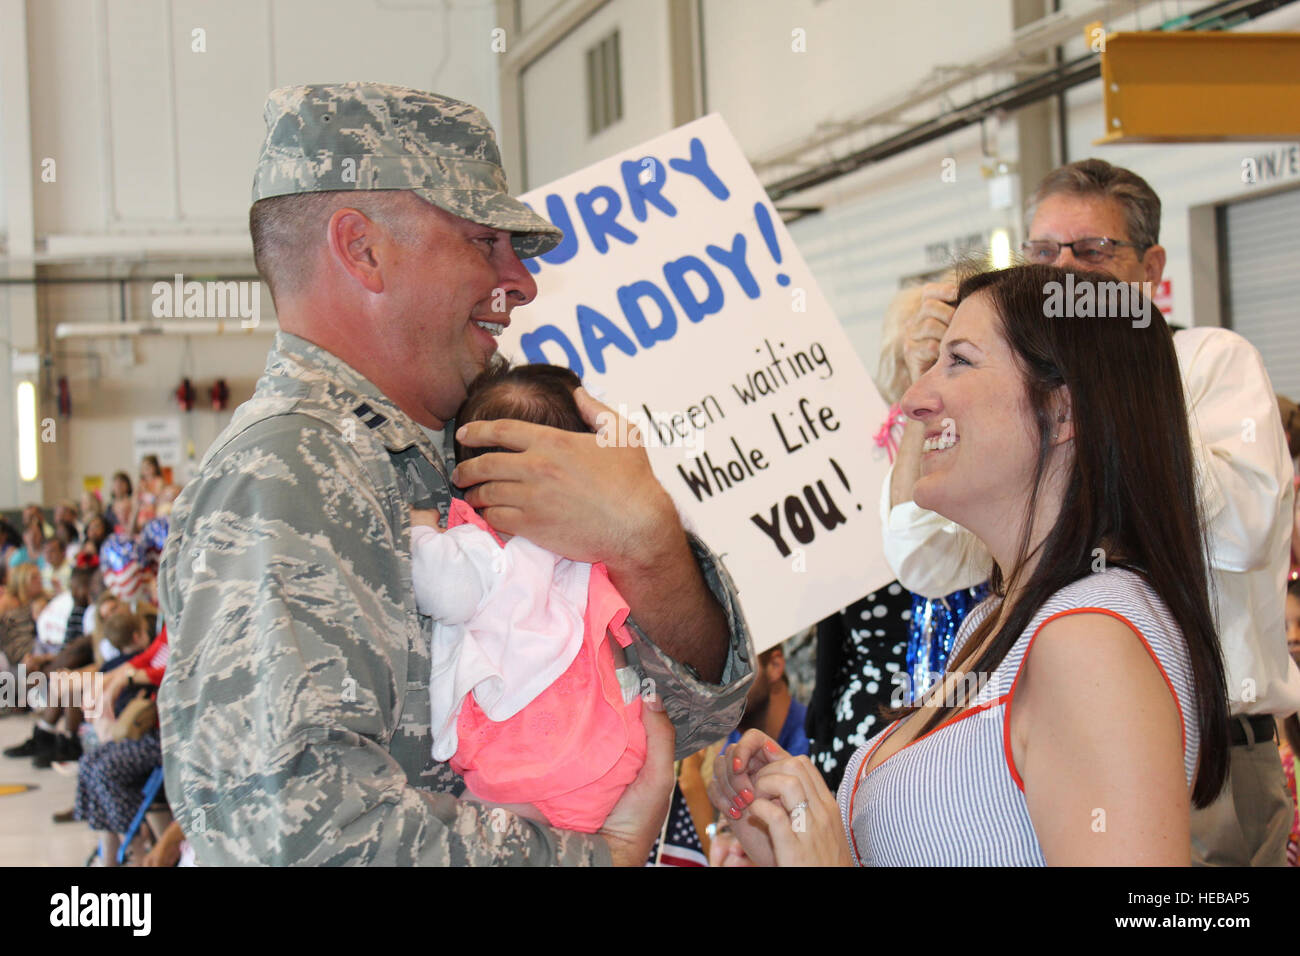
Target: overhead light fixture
{"type": "Point", "coordinates": [1000, 249]}
{"type": "Point", "coordinates": [26, 403]}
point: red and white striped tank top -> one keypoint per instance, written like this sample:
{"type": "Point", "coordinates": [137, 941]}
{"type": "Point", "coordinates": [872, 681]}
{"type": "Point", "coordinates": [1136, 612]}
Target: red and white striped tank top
{"type": "Point", "coordinates": [953, 797]}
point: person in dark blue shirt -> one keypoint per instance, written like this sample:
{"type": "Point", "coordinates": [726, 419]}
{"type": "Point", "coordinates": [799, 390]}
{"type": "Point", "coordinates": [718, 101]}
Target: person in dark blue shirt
{"type": "Point", "coordinates": [771, 709]}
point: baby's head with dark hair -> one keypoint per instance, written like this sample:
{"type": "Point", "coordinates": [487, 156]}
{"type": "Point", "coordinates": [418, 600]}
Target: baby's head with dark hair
{"type": "Point", "coordinates": [539, 393]}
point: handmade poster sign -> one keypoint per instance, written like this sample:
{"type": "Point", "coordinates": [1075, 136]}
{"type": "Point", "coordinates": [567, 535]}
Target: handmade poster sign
{"type": "Point", "coordinates": [680, 299]}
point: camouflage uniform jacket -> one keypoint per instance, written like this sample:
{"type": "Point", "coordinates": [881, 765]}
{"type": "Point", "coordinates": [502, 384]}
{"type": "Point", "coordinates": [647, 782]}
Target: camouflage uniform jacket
{"type": "Point", "coordinates": [295, 710]}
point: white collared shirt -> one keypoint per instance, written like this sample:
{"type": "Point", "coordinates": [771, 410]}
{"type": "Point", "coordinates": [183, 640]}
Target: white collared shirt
{"type": "Point", "coordinates": [1245, 477]}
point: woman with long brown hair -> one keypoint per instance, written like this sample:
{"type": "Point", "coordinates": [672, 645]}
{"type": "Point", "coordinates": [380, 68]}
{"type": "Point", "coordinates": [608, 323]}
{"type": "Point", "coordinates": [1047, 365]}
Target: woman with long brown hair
{"type": "Point", "coordinates": [1083, 711]}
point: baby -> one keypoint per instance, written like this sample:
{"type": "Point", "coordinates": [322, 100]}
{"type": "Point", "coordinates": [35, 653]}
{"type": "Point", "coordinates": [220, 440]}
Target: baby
{"type": "Point", "coordinates": [529, 698]}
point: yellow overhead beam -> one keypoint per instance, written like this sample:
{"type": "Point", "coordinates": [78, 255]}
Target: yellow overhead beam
{"type": "Point", "coordinates": [1200, 87]}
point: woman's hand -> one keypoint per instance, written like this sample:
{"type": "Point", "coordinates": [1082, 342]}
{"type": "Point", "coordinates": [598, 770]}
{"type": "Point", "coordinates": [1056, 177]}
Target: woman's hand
{"type": "Point", "coordinates": [732, 791]}
{"type": "Point", "coordinates": [781, 811]}
{"type": "Point", "coordinates": [925, 329]}
{"type": "Point", "coordinates": [800, 814]}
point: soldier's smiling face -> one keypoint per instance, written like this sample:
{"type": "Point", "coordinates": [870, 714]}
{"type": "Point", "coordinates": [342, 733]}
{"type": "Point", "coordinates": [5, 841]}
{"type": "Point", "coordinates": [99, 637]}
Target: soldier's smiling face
{"type": "Point", "coordinates": [453, 285]}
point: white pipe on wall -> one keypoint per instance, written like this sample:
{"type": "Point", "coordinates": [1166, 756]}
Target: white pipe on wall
{"type": "Point", "coordinates": [232, 326]}
{"type": "Point", "coordinates": [139, 246]}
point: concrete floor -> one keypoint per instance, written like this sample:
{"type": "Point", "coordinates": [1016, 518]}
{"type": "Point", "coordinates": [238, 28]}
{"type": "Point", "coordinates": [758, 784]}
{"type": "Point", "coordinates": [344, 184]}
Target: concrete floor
{"type": "Point", "coordinates": [28, 835]}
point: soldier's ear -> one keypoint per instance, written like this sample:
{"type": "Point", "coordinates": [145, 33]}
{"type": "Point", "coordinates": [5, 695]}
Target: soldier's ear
{"type": "Point", "coordinates": [352, 238]}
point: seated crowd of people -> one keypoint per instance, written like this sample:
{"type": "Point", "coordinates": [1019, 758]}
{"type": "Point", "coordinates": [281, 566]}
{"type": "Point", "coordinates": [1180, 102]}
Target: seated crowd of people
{"type": "Point", "coordinates": [82, 637]}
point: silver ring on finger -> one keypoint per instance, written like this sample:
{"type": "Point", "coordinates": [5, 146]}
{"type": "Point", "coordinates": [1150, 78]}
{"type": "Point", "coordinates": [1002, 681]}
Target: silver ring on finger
{"type": "Point", "coordinates": [801, 805]}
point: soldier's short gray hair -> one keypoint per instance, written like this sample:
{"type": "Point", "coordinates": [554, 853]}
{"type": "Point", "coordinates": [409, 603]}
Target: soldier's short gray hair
{"type": "Point", "coordinates": [1096, 177]}
{"type": "Point", "coordinates": [287, 229]}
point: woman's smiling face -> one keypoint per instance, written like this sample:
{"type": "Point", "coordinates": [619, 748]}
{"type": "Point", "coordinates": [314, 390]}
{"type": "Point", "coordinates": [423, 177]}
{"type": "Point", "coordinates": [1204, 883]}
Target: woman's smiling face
{"type": "Point", "coordinates": [981, 447]}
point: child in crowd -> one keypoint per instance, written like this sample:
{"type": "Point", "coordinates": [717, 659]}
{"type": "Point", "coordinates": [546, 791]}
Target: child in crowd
{"type": "Point", "coordinates": [119, 636]}
{"type": "Point", "coordinates": [57, 568]}
{"type": "Point", "coordinates": [127, 634]}
{"type": "Point", "coordinates": [531, 699]}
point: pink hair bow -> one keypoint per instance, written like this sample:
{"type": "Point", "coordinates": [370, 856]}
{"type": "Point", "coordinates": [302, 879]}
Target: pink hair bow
{"type": "Point", "coordinates": [885, 437]}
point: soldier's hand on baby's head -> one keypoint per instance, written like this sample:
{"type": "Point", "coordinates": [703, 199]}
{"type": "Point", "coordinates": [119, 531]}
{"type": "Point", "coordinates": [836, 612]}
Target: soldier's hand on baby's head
{"type": "Point", "coordinates": [428, 519]}
{"type": "Point", "coordinates": [590, 497]}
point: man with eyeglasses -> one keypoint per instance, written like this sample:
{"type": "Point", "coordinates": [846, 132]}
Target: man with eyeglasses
{"type": "Point", "coordinates": [1092, 215]}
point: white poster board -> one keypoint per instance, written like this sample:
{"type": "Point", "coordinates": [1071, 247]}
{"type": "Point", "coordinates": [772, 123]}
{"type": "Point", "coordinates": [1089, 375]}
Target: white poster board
{"type": "Point", "coordinates": [681, 300]}
{"type": "Point", "coordinates": [157, 436]}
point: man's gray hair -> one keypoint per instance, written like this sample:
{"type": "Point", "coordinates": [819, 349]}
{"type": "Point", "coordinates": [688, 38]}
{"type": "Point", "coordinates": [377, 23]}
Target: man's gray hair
{"type": "Point", "coordinates": [286, 229]}
{"type": "Point", "coordinates": [1096, 177]}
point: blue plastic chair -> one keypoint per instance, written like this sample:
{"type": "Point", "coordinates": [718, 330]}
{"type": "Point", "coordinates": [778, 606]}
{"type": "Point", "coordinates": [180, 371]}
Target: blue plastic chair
{"type": "Point", "coordinates": [151, 788]}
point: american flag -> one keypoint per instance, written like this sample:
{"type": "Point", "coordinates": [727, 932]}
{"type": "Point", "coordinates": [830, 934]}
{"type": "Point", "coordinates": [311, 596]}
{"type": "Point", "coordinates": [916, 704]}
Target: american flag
{"type": "Point", "coordinates": [681, 844]}
{"type": "Point", "coordinates": [120, 565]}
{"type": "Point", "coordinates": [153, 536]}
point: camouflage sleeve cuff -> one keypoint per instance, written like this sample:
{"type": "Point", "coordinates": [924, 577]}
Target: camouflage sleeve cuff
{"type": "Point", "coordinates": [702, 712]}
{"type": "Point", "coordinates": [494, 836]}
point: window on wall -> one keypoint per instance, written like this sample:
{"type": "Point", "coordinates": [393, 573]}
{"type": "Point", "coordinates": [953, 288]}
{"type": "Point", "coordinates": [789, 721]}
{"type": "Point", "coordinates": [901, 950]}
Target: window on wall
{"type": "Point", "coordinates": [604, 85]}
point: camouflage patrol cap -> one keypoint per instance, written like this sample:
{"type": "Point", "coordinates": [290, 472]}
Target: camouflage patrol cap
{"type": "Point", "coordinates": [343, 136]}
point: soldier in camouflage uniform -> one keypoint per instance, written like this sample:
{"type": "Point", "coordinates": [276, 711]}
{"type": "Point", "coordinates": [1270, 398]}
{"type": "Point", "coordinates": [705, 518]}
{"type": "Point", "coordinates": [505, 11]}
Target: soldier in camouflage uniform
{"type": "Point", "coordinates": [295, 712]}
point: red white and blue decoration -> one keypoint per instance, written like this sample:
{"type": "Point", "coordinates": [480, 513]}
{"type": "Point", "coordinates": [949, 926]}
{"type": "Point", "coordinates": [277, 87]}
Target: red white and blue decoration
{"type": "Point", "coordinates": [120, 564]}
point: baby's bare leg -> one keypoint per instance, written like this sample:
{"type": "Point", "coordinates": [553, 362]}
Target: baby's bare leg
{"type": "Point", "coordinates": [429, 519]}
{"type": "Point", "coordinates": [525, 810]}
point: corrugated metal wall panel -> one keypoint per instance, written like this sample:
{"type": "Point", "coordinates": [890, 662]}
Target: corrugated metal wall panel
{"type": "Point", "coordinates": [1263, 266]}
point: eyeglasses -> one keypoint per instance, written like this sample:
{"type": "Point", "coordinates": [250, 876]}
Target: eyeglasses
{"type": "Point", "coordinates": [1092, 250]}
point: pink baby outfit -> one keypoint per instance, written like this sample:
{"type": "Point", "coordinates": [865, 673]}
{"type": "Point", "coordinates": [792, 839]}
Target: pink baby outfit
{"type": "Point", "coordinates": [570, 747]}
